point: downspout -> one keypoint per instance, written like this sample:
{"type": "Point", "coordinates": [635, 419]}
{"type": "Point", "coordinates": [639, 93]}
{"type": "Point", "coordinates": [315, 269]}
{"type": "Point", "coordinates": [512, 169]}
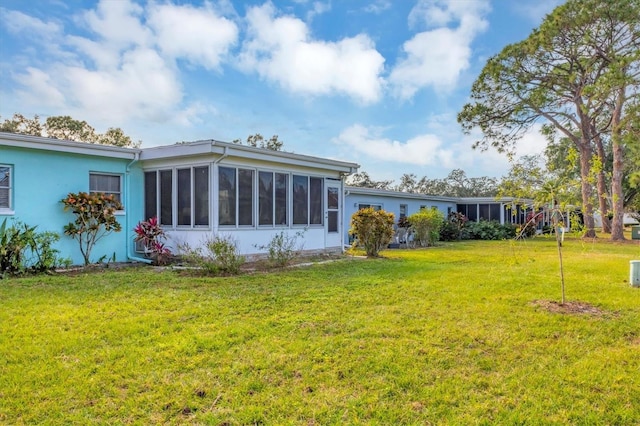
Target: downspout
{"type": "Point", "coordinates": [130, 255]}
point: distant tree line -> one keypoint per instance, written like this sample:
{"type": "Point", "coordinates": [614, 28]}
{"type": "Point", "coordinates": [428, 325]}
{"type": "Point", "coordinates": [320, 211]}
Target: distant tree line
{"type": "Point", "coordinates": [66, 128]}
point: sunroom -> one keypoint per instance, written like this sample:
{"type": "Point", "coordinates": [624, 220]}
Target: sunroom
{"type": "Point", "coordinates": [199, 189]}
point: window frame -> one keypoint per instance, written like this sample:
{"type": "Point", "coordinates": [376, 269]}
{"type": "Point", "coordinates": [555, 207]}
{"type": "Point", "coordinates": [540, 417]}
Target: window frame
{"type": "Point", "coordinates": [107, 174]}
{"type": "Point", "coordinates": [238, 193]}
{"type": "Point", "coordinates": [309, 203]}
{"type": "Point", "coordinates": [174, 190]}
{"type": "Point", "coordinates": [277, 210]}
{"type": "Point", "coordinates": [9, 207]}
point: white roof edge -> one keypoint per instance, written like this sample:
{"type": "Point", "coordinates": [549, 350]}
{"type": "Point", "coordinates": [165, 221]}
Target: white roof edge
{"type": "Point", "coordinates": [217, 147]}
{"type": "Point", "coordinates": [399, 194]}
{"type": "Point", "coordinates": [51, 144]}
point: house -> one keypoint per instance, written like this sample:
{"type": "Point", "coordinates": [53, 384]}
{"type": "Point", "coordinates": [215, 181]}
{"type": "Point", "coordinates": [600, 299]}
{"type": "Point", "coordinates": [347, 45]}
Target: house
{"type": "Point", "coordinates": [36, 173]}
{"type": "Point", "coordinates": [403, 204]}
{"type": "Point", "coordinates": [196, 189]}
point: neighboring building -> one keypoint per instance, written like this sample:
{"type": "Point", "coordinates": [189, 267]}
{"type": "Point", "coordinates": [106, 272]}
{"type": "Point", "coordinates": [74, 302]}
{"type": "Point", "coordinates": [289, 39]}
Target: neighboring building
{"type": "Point", "coordinates": [196, 189]}
{"type": "Point", "coordinates": [403, 204]}
{"type": "Point", "coordinates": [36, 173]}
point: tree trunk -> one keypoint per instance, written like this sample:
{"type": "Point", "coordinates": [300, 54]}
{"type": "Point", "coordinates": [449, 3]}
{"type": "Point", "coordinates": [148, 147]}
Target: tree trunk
{"type": "Point", "coordinates": [602, 187]}
{"type": "Point", "coordinates": [587, 190]}
{"type": "Point", "coordinates": [617, 228]}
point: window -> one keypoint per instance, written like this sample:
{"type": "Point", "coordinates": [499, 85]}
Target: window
{"type": "Point", "coordinates": [107, 184]}
{"type": "Point", "coordinates": [235, 196]}
{"type": "Point", "coordinates": [150, 194]}
{"type": "Point", "coordinates": [166, 197]}
{"type": "Point", "coordinates": [191, 198]}
{"type": "Point", "coordinates": [307, 200]}
{"type": "Point", "coordinates": [373, 206]}
{"type": "Point", "coordinates": [5, 186]}
{"type": "Point", "coordinates": [403, 211]}
{"type": "Point", "coordinates": [272, 198]}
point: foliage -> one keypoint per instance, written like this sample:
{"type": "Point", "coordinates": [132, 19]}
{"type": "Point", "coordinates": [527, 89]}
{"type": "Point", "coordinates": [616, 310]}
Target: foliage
{"type": "Point", "coordinates": [151, 235]}
{"type": "Point", "coordinates": [67, 128]}
{"type": "Point", "coordinates": [363, 180]}
{"type": "Point", "coordinates": [23, 249]}
{"type": "Point", "coordinates": [452, 227]}
{"type": "Point", "coordinates": [430, 336]}
{"type": "Point", "coordinates": [220, 255]}
{"type": "Point", "coordinates": [489, 230]}
{"type": "Point", "coordinates": [95, 218]}
{"type": "Point", "coordinates": [373, 230]}
{"type": "Point", "coordinates": [578, 73]}
{"type": "Point", "coordinates": [530, 224]}
{"type": "Point", "coordinates": [283, 248]}
{"type": "Point", "coordinates": [426, 225]}
{"type": "Point", "coordinates": [258, 141]}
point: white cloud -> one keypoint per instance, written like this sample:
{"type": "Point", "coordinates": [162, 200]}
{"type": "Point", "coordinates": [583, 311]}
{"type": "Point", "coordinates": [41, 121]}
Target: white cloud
{"type": "Point", "coordinates": [281, 50]}
{"type": "Point", "coordinates": [377, 6]}
{"type": "Point", "coordinates": [536, 11]}
{"type": "Point", "coordinates": [421, 150]}
{"type": "Point", "coordinates": [205, 40]}
{"type": "Point", "coordinates": [20, 23]}
{"type": "Point", "coordinates": [436, 57]}
{"type": "Point", "coordinates": [318, 8]}
{"type": "Point", "coordinates": [41, 90]}
{"type": "Point", "coordinates": [123, 67]}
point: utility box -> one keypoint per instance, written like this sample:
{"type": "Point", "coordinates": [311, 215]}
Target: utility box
{"type": "Point", "coordinates": [634, 273]}
{"type": "Point", "coordinates": [635, 232]}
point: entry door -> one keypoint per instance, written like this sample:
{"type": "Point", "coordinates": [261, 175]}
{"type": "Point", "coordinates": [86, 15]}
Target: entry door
{"type": "Point", "coordinates": [333, 216]}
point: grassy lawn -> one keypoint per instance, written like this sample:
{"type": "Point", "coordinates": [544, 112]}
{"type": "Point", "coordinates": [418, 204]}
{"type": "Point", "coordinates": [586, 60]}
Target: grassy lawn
{"type": "Point", "coordinates": [444, 335]}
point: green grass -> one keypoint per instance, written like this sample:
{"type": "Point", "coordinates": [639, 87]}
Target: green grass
{"type": "Point", "coordinates": [448, 335]}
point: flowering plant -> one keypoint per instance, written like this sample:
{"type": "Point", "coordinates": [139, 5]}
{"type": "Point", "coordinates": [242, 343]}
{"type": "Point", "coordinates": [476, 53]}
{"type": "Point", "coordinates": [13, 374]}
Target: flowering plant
{"type": "Point", "coordinates": [151, 234]}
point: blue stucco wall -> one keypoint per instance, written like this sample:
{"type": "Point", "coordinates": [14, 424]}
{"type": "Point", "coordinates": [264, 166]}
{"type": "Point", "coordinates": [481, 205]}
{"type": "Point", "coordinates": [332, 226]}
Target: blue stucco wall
{"type": "Point", "coordinates": [42, 178]}
{"type": "Point", "coordinates": [390, 204]}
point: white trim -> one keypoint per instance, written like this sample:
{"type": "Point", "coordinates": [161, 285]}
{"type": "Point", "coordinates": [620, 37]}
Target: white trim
{"type": "Point", "coordinates": [10, 207]}
{"type": "Point", "coordinates": [50, 144]}
{"type": "Point", "coordinates": [217, 148]}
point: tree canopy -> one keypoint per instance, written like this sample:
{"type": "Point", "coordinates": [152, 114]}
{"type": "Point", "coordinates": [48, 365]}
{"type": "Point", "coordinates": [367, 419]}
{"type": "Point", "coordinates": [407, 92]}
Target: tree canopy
{"type": "Point", "coordinates": [258, 141]}
{"type": "Point", "coordinates": [578, 73]}
{"type": "Point", "coordinates": [67, 128]}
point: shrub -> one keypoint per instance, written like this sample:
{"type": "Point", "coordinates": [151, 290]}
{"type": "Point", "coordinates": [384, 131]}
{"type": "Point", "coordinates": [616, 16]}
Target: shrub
{"type": "Point", "coordinates": [426, 225]}
{"type": "Point", "coordinates": [22, 249]}
{"type": "Point", "coordinates": [373, 230]}
{"type": "Point", "coordinates": [95, 218]}
{"type": "Point", "coordinates": [530, 224]}
{"type": "Point", "coordinates": [283, 248]}
{"type": "Point", "coordinates": [453, 228]}
{"type": "Point", "coordinates": [220, 255]}
{"type": "Point", "coordinates": [151, 235]}
{"type": "Point", "coordinates": [489, 230]}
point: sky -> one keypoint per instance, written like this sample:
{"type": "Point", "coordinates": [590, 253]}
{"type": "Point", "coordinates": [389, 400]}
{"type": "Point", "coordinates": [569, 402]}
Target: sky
{"type": "Point", "coordinates": [374, 82]}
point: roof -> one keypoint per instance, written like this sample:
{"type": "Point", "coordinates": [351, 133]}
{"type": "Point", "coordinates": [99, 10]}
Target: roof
{"type": "Point", "coordinates": [397, 194]}
{"type": "Point", "coordinates": [204, 147]}
{"type": "Point", "coordinates": [426, 197]}
{"type": "Point", "coordinates": [60, 145]}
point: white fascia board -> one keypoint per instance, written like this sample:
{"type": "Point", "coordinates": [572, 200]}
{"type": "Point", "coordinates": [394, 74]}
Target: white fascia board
{"type": "Point", "coordinates": [58, 145]}
{"type": "Point", "coordinates": [236, 151]}
{"type": "Point", "coordinates": [355, 190]}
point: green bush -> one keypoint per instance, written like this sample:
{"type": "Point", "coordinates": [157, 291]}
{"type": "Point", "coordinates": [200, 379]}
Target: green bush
{"type": "Point", "coordinates": [488, 230]}
{"type": "Point", "coordinates": [372, 229]}
{"type": "Point", "coordinates": [220, 255]}
{"type": "Point", "coordinates": [283, 248]}
{"type": "Point", "coordinates": [426, 225]}
{"type": "Point", "coordinates": [22, 249]}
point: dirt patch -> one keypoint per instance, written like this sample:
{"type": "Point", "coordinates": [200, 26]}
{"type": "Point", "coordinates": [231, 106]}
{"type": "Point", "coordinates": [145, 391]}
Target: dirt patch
{"type": "Point", "coordinates": [571, 308]}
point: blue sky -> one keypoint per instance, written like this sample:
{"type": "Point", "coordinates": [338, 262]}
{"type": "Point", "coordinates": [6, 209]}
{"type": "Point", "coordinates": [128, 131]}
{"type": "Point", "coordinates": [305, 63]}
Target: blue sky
{"type": "Point", "coordinates": [375, 82]}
